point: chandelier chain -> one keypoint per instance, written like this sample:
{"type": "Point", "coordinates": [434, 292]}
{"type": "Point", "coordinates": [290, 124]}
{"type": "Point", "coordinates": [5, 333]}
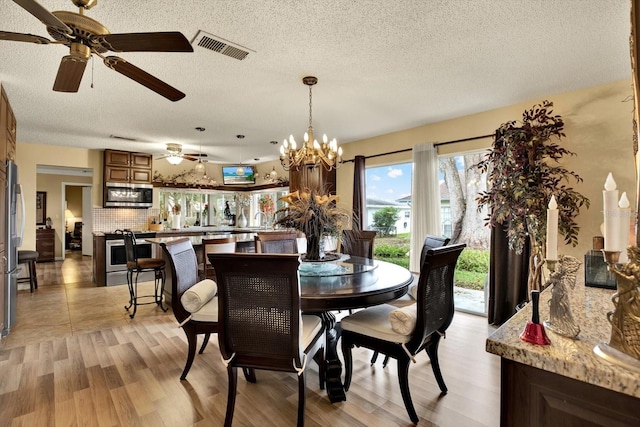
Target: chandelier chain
{"type": "Point", "coordinates": [310, 104]}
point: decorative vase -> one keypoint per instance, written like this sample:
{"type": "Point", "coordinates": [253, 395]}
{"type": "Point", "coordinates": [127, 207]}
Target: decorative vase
{"type": "Point", "coordinates": [315, 248]}
{"type": "Point", "coordinates": [242, 221]}
{"type": "Point", "coordinates": [175, 221]}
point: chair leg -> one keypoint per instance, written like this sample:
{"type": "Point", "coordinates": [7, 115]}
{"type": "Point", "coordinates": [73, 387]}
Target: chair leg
{"type": "Point", "coordinates": [134, 294]}
{"type": "Point", "coordinates": [320, 360]}
{"type": "Point", "coordinates": [204, 343]}
{"type": "Point", "coordinates": [403, 377]}
{"type": "Point", "coordinates": [374, 357]}
{"type": "Point", "coordinates": [159, 286]}
{"type": "Point", "coordinates": [231, 395]}
{"type": "Point", "coordinates": [432, 351]}
{"type": "Point", "coordinates": [348, 363]}
{"type": "Point", "coordinates": [249, 375]}
{"type": "Point", "coordinates": [301, 398]}
{"type": "Point", "coordinates": [34, 275]}
{"type": "Point", "coordinates": [192, 339]}
{"type": "Point", "coordinates": [130, 286]}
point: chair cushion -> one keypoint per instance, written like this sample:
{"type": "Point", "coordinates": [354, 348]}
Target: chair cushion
{"type": "Point", "coordinates": [311, 325]}
{"type": "Point", "coordinates": [403, 301]}
{"type": "Point", "coordinates": [208, 312]}
{"type": "Point", "coordinates": [403, 320]}
{"type": "Point", "coordinates": [147, 263]}
{"type": "Point", "coordinates": [198, 295]}
{"type": "Point", "coordinates": [374, 322]}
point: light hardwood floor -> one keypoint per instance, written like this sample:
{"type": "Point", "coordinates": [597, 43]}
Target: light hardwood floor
{"type": "Point", "coordinates": [75, 358]}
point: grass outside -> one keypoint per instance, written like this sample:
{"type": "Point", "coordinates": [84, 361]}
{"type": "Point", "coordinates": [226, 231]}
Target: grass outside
{"type": "Point", "coordinates": [471, 270]}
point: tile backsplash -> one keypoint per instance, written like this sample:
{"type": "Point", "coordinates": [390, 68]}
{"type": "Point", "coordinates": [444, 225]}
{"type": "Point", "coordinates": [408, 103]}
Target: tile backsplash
{"type": "Point", "coordinates": [109, 219]}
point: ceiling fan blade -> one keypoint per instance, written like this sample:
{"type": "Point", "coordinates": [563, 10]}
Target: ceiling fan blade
{"type": "Point", "coordinates": [144, 78]}
{"type": "Point", "coordinates": [47, 18]}
{"type": "Point", "coordinates": [70, 74]}
{"type": "Point", "coordinates": [172, 41]}
{"type": "Point", "coordinates": [196, 155]}
{"type": "Point", "coordinates": [20, 37]}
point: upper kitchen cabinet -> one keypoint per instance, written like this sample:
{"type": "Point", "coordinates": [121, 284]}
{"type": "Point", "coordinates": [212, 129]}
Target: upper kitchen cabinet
{"type": "Point", "coordinates": [125, 166]}
{"type": "Point", "coordinates": [7, 130]}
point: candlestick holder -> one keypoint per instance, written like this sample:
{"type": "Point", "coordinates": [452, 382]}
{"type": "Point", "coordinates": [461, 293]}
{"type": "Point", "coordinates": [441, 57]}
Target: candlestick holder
{"type": "Point", "coordinates": [562, 278]}
{"type": "Point", "coordinates": [623, 347]}
{"type": "Point", "coordinates": [611, 258]}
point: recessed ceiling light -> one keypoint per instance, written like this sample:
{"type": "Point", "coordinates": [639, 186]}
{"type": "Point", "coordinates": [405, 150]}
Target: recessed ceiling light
{"type": "Point", "coordinates": [200, 129]}
{"type": "Point", "coordinates": [240, 136]}
{"type": "Point", "coordinates": [273, 142]}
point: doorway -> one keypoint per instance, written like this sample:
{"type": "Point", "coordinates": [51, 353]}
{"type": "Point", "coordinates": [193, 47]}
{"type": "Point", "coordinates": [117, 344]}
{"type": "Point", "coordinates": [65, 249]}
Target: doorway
{"type": "Point", "coordinates": [78, 218]}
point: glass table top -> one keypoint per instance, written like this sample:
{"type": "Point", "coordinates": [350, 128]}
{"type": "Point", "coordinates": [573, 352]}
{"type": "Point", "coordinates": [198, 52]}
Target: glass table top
{"type": "Point", "coordinates": [343, 266]}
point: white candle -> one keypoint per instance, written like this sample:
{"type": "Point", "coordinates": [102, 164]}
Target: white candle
{"type": "Point", "coordinates": [611, 218]}
{"type": "Point", "coordinates": [625, 217]}
{"type": "Point", "coordinates": [552, 229]}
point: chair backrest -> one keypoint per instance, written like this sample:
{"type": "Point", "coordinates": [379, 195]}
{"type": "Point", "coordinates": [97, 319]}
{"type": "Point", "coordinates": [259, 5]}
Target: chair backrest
{"type": "Point", "coordinates": [130, 249]}
{"type": "Point", "coordinates": [218, 245]}
{"type": "Point", "coordinates": [259, 309]}
{"type": "Point", "coordinates": [77, 229]}
{"type": "Point", "coordinates": [277, 242]}
{"type": "Point", "coordinates": [431, 242]}
{"type": "Point", "coordinates": [435, 292]}
{"type": "Point", "coordinates": [358, 242]}
{"type": "Point", "coordinates": [184, 272]}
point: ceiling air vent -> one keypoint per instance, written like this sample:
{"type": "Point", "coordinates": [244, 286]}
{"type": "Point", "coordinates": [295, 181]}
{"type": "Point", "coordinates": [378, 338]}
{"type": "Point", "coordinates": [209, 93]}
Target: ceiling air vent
{"type": "Point", "coordinates": [220, 45]}
{"type": "Point", "coordinates": [124, 138]}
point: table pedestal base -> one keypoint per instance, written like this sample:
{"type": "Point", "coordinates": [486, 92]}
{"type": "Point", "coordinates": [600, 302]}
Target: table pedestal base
{"type": "Point", "coordinates": [333, 366]}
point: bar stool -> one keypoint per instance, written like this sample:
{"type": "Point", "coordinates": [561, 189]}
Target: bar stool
{"type": "Point", "coordinates": [140, 265]}
{"type": "Point", "coordinates": [30, 258]}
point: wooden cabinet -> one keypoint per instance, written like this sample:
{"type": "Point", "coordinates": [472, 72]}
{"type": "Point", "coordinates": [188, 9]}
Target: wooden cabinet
{"type": "Point", "coordinates": [99, 261]}
{"type": "Point", "coordinates": [533, 397]}
{"type": "Point", "coordinates": [45, 244]}
{"type": "Point", "coordinates": [310, 178]}
{"type": "Point", "coordinates": [125, 166]}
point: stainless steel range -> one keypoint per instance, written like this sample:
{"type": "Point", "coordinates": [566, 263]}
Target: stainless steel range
{"type": "Point", "coordinates": [116, 258]}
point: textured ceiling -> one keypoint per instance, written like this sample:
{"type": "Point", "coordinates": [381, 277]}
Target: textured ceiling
{"type": "Point", "coordinates": [382, 66]}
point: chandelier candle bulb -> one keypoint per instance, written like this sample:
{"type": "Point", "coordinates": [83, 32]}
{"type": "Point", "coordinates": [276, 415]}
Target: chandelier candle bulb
{"type": "Point", "coordinates": [552, 230]}
{"type": "Point", "coordinates": [611, 215]}
{"type": "Point", "coordinates": [625, 217]}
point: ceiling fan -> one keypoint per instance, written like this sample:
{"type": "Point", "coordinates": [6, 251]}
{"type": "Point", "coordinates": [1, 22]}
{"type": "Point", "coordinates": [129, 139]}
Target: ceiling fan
{"type": "Point", "coordinates": [175, 155]}
{"type": "Point", "coordinates": [85, 37]}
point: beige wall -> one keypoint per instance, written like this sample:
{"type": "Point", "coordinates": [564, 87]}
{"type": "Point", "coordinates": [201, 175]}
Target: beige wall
{"type": "Point", "coordinates": [597, 125]}
{"type": "Point", "coordinates": [29, 156]}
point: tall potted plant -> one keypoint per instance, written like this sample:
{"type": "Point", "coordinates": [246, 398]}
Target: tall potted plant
{"type": "Point", "coordinates": [523, 172]}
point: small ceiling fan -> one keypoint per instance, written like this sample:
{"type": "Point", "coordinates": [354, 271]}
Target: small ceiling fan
{"type": "Point", "coordinates": [175, 155]}
{"type": "Point", "coordinates": [85, 37]}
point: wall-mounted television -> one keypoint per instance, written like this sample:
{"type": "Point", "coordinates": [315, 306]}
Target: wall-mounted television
{"type": "Point", "coordinates": [230, 175]}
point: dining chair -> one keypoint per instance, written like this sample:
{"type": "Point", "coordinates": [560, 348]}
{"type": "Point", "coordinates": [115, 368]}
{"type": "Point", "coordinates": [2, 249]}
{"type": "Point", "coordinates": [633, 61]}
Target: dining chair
{"type": "Point", "coordinates": [261, 325]}
{"type": "Point", "coordinates": [402, 333]}
{"type": "Point", "coordinates": [135, 266]}
{"type": "Point", "coordinates": [214, 245]}
{"type": "Point", "coordinates": [193, 301]}
{"type": "Point", "coordinates": [430, 242]}
{"type": "Point", "coordinates": [358, 243]}
{"type": "Point", "coordinates": [276, 242]}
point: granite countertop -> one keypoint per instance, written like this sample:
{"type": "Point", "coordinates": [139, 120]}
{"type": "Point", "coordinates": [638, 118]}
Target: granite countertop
{"type": "Point", "coordinates": [568, 357]}
{"type": "Point", "coordinates": [197, 240]}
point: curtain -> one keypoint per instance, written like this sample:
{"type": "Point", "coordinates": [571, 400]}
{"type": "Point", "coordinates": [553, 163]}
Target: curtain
{"type": "Point", "coordinates": [425, 200]}
{"type": "Point", "coordinates": [359, 193]}
{"type": "Point", "coordinates": [508, 274]}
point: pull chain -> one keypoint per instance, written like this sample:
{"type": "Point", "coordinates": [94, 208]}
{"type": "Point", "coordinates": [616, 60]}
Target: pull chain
{"type": "Point", "coordinates": [91, 71]}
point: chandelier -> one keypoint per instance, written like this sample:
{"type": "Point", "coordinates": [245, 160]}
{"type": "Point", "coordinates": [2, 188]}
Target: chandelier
{"type": "Point", "coordinates": [311, 154]}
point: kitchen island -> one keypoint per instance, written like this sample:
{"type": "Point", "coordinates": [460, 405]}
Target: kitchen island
{"type": "Point", "coordinates": [565, 383]}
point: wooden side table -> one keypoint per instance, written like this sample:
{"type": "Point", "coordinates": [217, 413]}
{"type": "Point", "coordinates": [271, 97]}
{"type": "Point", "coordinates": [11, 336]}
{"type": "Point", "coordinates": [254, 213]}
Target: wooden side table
{"type": "Point", "coordinates": [45, 244]}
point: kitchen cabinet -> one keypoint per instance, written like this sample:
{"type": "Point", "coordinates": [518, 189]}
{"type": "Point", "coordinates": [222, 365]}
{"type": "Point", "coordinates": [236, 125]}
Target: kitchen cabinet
{"type": "Point", "coordinates": [45, 244]}
{"type": "Point", "coordinates": [126, 166]}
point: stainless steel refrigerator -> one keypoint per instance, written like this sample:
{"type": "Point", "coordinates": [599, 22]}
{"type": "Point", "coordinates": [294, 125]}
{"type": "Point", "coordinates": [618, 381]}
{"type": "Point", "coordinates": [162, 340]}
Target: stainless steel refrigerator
{"type": "Point", "coordinates": [14, 226]}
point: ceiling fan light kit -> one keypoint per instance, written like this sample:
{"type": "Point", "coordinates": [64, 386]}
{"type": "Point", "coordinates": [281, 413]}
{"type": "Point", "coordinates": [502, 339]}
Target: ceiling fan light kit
{"type": "Point", "coordinates": [85, 37]}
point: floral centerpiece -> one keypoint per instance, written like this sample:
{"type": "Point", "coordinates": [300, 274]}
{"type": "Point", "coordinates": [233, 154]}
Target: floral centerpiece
{"type": "Point", "coordinates": [317, 216]}
{"type": "Point", "coordinates": [266, 205]}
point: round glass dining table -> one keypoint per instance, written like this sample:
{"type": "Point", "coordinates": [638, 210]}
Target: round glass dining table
{"type": "Point", "coordinates": [346, 283]}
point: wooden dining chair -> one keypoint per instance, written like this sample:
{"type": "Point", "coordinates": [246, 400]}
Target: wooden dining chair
{"type": "Point", "coordinates": [276, 242]}
{"type": "Point", "coordinates": [402, 333]}
{"type": "Point", "coordinates": [430, 242]}
{"type": "Point", "coordinates": [261, 326]}
{"type": "Point", "coordinates": [214, 245]}
{"type": "Point", "coordinates": [358, 243]}
{"type": "Point", "coordinates": [197, 313]}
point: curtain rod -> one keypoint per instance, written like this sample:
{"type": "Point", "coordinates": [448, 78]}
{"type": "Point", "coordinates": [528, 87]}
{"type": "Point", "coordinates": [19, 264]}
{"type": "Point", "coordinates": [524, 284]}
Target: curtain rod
{"type": "Point", "coordinates": [437, 144]}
